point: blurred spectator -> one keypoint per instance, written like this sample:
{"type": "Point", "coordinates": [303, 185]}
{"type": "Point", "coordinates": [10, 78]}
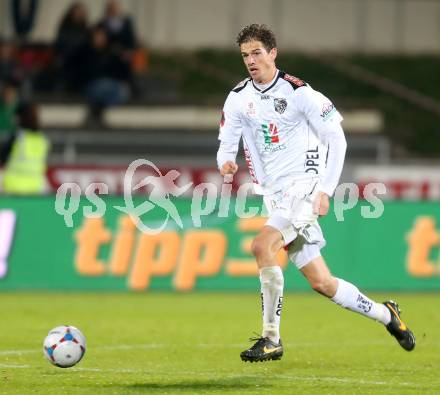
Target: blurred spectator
{"type": "Point", "coordinates": [71, 36]}
{"type": "Point", "coordinates": [26, 155]}
{"type": "Point", "coordinates": [12, 72]}
{"type": "Point", "coordinates": [122, 39]}
{"type": "Point", "coordinates": [119, 27]}
{"type": "Point", "coordinates": [105, 75]}
{"type": "Point", "coordinates": [23, 16]}
{"type": "Point", "coordinates": [10, 69]}
{"type": "Point", "coordinates": [8, 106]}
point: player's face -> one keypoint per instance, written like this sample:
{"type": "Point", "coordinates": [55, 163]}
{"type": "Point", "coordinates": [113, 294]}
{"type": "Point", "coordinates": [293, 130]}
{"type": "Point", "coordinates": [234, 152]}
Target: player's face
{"type": "Point", "coordinates": [259, 63]}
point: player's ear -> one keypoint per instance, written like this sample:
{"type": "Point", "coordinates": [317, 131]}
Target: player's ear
{"type": "Point", "coordinates": [273, 53]}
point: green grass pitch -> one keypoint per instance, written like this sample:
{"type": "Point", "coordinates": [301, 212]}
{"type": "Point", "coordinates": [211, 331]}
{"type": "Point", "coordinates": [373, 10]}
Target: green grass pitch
{"type": "Point", "coordinates": [164, 343]}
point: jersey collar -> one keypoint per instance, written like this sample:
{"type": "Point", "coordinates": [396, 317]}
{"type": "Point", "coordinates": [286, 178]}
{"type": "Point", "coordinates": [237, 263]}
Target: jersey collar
{"type": "Point", "coordinates": [269, 87]}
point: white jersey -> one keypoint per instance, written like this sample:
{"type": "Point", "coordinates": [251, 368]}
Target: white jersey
{"type": "Point", "coordinates": [285, 130]}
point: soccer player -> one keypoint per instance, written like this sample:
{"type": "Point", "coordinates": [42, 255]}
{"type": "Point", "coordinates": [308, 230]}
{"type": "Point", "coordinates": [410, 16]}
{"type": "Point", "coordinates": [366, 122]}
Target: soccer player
{"type": "Point", "coordinates": [294, 146]}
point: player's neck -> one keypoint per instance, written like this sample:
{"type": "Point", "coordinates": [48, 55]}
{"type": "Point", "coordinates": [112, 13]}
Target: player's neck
{"type": "Point", "coordinates": [267, 81]}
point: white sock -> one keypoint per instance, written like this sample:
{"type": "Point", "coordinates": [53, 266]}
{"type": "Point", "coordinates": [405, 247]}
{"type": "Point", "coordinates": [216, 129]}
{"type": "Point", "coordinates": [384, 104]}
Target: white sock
{"type": "Point", "coordinates": [349, 297]}
{"type": "Point", "coordinates": [272, 284]}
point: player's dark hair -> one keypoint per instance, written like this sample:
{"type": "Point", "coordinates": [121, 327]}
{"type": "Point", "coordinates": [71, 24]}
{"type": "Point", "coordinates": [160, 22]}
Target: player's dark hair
{"type": "Point", "coordinates": [257, 32]}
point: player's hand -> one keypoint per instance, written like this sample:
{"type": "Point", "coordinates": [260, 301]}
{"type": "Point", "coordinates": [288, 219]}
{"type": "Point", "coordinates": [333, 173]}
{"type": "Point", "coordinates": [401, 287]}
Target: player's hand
{"type": "Point", "coordinates": [228, 167]}
{"type": "Point", "coordinates": [321, 204]}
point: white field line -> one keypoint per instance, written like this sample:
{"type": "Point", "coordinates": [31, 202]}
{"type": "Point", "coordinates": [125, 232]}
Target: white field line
{"type": "Point", "coordinates": [13, 366]}
{"type": "Point", "coordinates": [205, 345]}
{"type": "Point", "coordinates": [18, 352]}
{"type": "Point", "coordinates": [118, 347]}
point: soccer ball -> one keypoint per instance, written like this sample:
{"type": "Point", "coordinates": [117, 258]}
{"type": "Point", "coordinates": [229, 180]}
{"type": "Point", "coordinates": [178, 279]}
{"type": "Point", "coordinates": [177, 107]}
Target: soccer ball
{"type": "Point", "coordinates": [64, 346]}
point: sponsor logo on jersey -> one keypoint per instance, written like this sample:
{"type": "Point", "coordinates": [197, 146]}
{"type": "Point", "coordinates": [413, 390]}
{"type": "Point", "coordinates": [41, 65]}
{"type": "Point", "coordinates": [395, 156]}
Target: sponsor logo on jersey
{"type": "Point", "coordinates": [274, 147]}
{"type": "Point", "coordinates": [265, 97]}
{"type": "Point", "coordinates": [270, 132]}
{"type": "Point", "coordinates": [327, 111]}
{"type": "Point", "coordinates": [271, 138]}
{"type": "Point", "coordinates": [294, 80]}
{"type": "Point", "coordinates": [247, 156]}
{"type": "Point", "coordinates": [312, 161]}
{"type": "Point", "coordinates": [280, 105]}
{"type": "Point", "coordinates": [222, 119]}
{"type": "Point", "coordinates": [250, 111]}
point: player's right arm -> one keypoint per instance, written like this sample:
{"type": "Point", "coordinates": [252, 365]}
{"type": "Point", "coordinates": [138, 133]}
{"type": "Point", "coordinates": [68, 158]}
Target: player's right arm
{"type": "Point", "coordinates": [229, 136]}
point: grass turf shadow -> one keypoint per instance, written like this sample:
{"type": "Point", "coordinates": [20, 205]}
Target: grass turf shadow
{"type": "Point", "coordinates": [202, 386]}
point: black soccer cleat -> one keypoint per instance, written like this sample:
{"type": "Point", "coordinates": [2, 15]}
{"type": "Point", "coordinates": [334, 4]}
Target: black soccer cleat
{"type": "Point", "coordinates": [398, 328]}
{"type": "Point", "coordinates": [263, 350]}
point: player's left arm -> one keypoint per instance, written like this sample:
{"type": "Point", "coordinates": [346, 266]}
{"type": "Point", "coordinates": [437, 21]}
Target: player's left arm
{"type": "Point", "coordinates": [326, 121]}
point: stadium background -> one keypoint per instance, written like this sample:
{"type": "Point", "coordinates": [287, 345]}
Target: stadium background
{"type": "Point", "coordinates": [377, 60]}
{"type": "Point", "coordinates": [169, 313]}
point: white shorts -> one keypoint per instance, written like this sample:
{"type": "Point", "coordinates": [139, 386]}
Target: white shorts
{"type": "Point", "coordinates": [291, 212]}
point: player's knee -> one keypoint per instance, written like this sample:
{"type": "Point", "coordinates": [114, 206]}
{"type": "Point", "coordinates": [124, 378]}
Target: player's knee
{"type": "Point", "coordinates": [260, 248]}
{"type": "Point", "coordinates": [323, 285]}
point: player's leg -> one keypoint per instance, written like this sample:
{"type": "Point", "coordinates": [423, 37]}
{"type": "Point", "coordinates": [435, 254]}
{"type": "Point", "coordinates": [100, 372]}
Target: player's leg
{"type": "Point", "coordinates": [347, 295]}
{"type": "Point", "coordinates": [265, 248]}
{"type": "Point", "coordinates": [342, 292]}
